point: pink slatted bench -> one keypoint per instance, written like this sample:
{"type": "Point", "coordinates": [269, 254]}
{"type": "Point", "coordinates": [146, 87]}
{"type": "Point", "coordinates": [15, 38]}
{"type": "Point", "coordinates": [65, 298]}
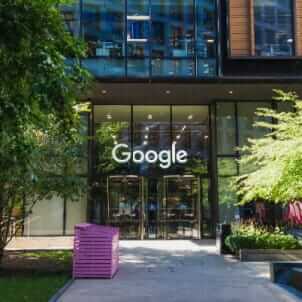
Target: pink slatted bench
{"type": "Point", "coordinates": [96, 251]}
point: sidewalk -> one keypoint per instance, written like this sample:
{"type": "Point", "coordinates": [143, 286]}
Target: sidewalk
{"type": "Point", "coordinates": [40, 243]}
{"type": "Point", "coordinates": [179, 271]}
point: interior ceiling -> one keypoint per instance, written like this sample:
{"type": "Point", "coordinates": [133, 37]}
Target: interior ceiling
{"type": "Point", "coordinates": [184, 94]}
{"type": "Point", "coordinates": [157, 113]}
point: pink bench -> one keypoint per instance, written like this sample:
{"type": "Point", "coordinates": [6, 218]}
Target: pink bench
{"type": "Point", "coordinates": [96, 251]}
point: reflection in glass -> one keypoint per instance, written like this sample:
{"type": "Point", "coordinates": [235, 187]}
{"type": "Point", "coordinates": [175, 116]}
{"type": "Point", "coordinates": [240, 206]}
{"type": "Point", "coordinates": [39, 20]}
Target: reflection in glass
{"type": "Point", "coordinates": [226, 128]}
{"type": "Point", "coordinates": [190, 131]}
{"type": "Point", "coordinates": [138, 38]}
{"type": "Point", "coordinates": [246, 120]}
{"type": "Point", "coordinates": [206, 37]}
{"type": "Point", "coordinates": [182, 208]}
{"type": "Point", "coordinates": [144, 199]}
{"type": "Point", "coordinates": [151, 126]}
{"type": "Point", "coordinates": [103, 30]}
{"type": "Point", "coordinates": [124, 205]}
{"type": "Point", "coordinates": [273, 27]}
{"type": "Point", "coordinates": [227, 169]}
{"type": "Point", "coordinates": [173, 38]}
{"type": "Point", "coordinates": [142, 38]}
{"type": "Point", "coordinates": [113, 125]}
{"type": "Point", "coordinates": [71, 15]}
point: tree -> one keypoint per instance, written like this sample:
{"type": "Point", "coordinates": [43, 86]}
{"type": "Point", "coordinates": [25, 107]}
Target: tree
{"type": "Point", "coordinates": [39, 101]}
{"type": "Point", "coordinates": [276, 158]}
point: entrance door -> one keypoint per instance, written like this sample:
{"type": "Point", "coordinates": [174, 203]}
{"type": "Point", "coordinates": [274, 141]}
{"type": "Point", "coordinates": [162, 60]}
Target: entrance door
{"type": "Point", "coordinates": [182, 207]}
{"type": "Point", "coordinates": [125, 205]}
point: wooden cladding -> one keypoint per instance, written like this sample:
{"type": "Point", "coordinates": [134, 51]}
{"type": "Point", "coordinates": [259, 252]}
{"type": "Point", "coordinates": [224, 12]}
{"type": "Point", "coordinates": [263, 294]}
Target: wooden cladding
{"type": "Point", "coordinates": [241, 27]}
{"type": "Point", "coordinates": [298, 27]}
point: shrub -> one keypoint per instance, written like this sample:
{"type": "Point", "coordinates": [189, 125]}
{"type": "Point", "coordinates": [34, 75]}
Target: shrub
{"type": "Point", "coordinates": [255, 237]}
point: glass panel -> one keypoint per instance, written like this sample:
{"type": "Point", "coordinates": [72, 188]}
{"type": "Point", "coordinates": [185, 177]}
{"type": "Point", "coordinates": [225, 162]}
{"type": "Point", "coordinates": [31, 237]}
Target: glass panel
{"type": "Point", "coordinates": [76, 212]}
{"type": "Point", "coordinates": [173, 38]}
{"type": "Point", "coordinates": [112, 127]}
{"type": "Point", "coordinates": [247, 119]}
{"type": "Point", "coordinates": [138, 37]}
{"type": "Point", "coordinates": [206, 211]}
{"type": "Point", "coordinates": [124, 205]}
{"type": "Point", "coordinates": [226, 128]}
{"type": "Point", "coordinates": [206, 37]}
{"type": "Point", "coordinates": [228, 211]}
{"type": "Point", "coordinates": [182, 207]}
{"type": "Point", "coordinates": [46, 218]}
{"type": "Point", "coordinates": [103, 30]}
{"type": "Point", "coordinates": [151, 125]}
{"type": "Point", "coordinates": [71, 15]}
{"type": "Point", "coordinates": [190, 130]}
{"type": "Point", "coordinates": [273, 27]}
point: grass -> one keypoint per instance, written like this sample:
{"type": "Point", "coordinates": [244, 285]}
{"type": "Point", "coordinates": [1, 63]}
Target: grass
{"type": "Point", "coordinates": [34, 276]}
{"type": "Point", "coordinates": [34, 287]}
{"type": "Point", "coordinates": [63, 257]}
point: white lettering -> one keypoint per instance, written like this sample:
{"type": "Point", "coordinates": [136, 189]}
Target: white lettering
{"type": "Point", "coordinates": [126, 154]}
{"type": "Point", "coordinates": [165, 157]}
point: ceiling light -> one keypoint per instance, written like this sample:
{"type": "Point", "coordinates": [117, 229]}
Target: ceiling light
{"type": "Point", "coordinates": [150, 116]}
{"type": "Point", "coordinates": [190, 117]}
{"type": "Point", "coordinates": [178, 137]}
{"type": "Point", "coordinates": [109, 116]}
{"type": "Point", "coordinates": [168, 91]}
{"type": "Point", "coordinates": [146, 136]}
{"type": "Point", "coordinates": [147, 128]}
{"type": "Point", "coordinates": [231, 92]}
{"type": "Point", "coordinates": [210, 40]}
{"type": "Point", "coordinates": [145, 143]}
{"type": "Point", "coordinates": [115, 142]}
{"type": "Point", "coordinates": [104, 91]}
{"type": "Point", "coordinates": [184, 128]}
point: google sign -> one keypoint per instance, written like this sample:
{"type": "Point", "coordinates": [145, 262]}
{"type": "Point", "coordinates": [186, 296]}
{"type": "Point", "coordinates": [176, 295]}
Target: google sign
{"type": "Point", "coordinates": [122, 155]}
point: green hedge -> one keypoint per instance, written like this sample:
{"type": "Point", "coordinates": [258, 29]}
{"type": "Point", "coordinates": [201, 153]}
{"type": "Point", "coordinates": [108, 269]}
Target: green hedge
{"type": "Point", "coordinates": [253, 237]}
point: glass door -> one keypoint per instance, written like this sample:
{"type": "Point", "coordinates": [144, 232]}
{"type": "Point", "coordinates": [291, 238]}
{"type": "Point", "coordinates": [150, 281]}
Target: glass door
{"type": "Point", "coordinates": [181, 204]}
{"type": "Point", "coordinates": [125, 204]}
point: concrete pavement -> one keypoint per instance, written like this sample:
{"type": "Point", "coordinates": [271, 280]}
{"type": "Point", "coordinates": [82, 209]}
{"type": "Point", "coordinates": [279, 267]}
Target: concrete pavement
{"type": "Point", "coordinates": [179, 271]}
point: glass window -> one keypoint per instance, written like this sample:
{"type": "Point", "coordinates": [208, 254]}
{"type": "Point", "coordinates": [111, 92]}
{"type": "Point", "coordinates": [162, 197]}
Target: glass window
{"type": "Point", "coordinates": [138, 37]}
{"type": "Point", "coordinates": [76, 212]}
{"type": "Point", "coordinates": [227, 169]}
{"type": "Point", "coordinates": [46, 218]}
{"type": "Point", "coordinates": [246, 120]}
{"type": "Point", "coordinates": [113, 127]}
{"type": "Point", "coordinates": [206, 37]}
{"type": "Point", "coordinates": [151, 126]}
{"type": "Point", "coordinates": [190, 132]}
{"type": "Point", "coordinates": [103, 30]}
{"type": "Point", "coordinates": [273, 27]}
{"type": "Point", "coordinates": [71, 15]}
{"type": "Point", "coordinates": [173, 38]}
{"type": "Point", "coordinates": [226, 128]}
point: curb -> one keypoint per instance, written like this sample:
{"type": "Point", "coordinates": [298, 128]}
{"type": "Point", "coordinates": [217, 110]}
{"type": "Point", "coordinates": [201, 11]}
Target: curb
{"type": "Point", "coordinates": [61, 291]}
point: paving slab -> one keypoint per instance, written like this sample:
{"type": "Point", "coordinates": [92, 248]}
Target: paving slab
{"type": "Point", "coordinates": [179, 271]}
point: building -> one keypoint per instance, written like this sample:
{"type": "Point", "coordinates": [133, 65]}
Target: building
{"type": "Point", "coordinates": [177, 86]}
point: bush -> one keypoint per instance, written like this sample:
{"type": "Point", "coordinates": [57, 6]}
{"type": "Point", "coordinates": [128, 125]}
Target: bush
{"type": "Point", "coordinates": [254, 237]}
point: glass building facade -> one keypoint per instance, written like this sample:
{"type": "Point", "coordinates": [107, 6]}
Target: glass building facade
{"type": "Point", "coordinates": [147, 38]}
{"type": "Point", "coordinates": [165, 126]}
{"type": "Point", "coordinates": [274, 27]}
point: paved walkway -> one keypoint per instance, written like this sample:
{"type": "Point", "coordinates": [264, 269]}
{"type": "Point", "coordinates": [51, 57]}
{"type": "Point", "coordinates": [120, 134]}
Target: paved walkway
{"type": "Point", "coordinates": [179, 271]}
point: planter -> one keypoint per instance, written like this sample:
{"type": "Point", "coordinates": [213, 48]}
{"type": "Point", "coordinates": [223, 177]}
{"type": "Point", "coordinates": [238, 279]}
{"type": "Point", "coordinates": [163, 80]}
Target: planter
{"type": "Point", "coordinates": [270, 255]}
